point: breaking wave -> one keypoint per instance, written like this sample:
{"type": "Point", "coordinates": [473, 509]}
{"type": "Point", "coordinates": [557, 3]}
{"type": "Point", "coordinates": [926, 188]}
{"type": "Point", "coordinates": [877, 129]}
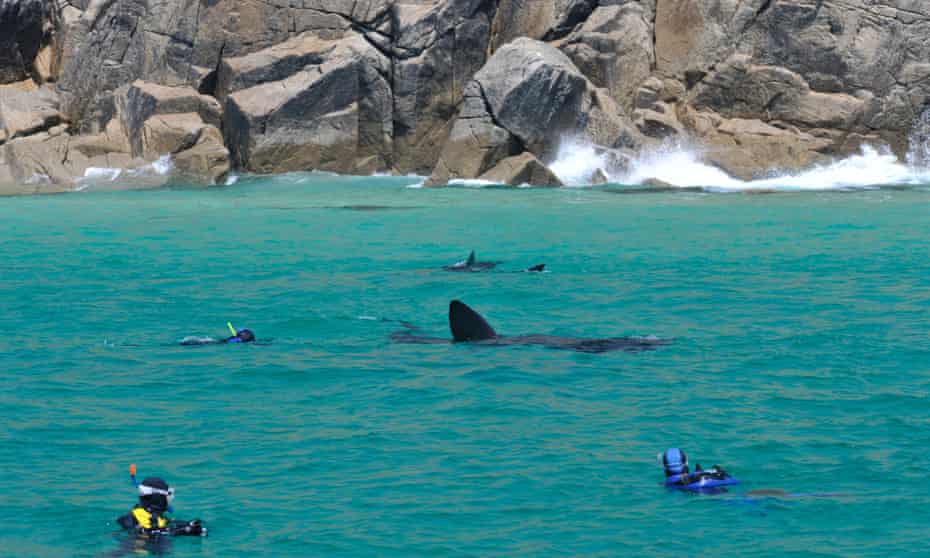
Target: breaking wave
{"type": "Point", "coordinates": [146, 176]}
{"type": "Point", "coordinates": [472, 183]}
{"type": "Point", "coordinates": [682, 167]}
{"type": "Point", "coordinates": [578, 163]}
{"type": "Point", "coordinates": [870, 168]}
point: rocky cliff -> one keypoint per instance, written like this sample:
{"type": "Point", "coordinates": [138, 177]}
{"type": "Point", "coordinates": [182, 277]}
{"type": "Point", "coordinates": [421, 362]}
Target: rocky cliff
{"type": "Point", "coordinates": [448, 88]}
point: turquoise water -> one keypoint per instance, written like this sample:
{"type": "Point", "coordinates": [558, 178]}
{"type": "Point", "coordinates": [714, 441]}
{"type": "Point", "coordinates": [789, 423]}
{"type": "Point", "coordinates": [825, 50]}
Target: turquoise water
{"type": "Point", "coordinates": [801, 362]}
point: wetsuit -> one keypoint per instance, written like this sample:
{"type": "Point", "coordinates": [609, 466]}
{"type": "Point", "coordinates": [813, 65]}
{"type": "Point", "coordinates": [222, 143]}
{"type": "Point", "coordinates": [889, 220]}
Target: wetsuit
{"type": "Point", "coordinates": [685, 479]}
{"type": "Point", "coordinates": [243, 336]}
{"type": "Point", "coordinates": [149, 521]}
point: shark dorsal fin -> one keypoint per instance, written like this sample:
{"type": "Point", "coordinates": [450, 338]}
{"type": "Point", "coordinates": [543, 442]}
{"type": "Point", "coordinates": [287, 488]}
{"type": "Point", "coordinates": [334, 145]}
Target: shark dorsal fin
{"type": "Point", "coordinates": [468, 325]}
{"type": "Point", "coordinates": [471, 259]}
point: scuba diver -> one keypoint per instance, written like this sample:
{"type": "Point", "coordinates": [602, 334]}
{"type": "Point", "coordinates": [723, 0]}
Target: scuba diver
{"type": "Point", "coordinates": [151, 531]}
{"type": "Point", "coordinates": [244, 335]}
{"type": "Point", "coordinates": [678, 476]}
{"type": "Point", "coordinates": [147, 519]}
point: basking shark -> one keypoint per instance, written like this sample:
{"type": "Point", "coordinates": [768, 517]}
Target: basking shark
{"type": "Point", "coordinates": [472, 264]}
{"type": "Point", "coordinates": [469, 327]}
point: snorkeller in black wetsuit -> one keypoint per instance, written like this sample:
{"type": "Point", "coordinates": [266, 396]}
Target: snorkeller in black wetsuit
{"type": "Point", "coordinates": [244, 335]}
{"type": "Point", "coordinates": [148, 520]}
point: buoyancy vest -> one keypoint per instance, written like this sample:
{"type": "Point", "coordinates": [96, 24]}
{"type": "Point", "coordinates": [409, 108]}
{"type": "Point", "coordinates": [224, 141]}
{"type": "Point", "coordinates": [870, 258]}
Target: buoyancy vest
{"type": "Point", "coordinates": [144, 518]}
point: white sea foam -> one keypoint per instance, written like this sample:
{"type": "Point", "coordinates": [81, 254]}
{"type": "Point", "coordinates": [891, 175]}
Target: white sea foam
{"type": "Point", "coordinates": [870, 168]}
{"type": "Point", "coordinates": [683, 167]}
{"type": "Point", "coordinates": [96, 176]}
{"type": "Point", "coordinates": [918, 153]}
{"type": "Point", "coordinates": [101, 173]}
{"type": "Point", "coordinates": [39, 178]}
{"type": "Point", "coordinates": [419, 183]}
{"type": "Point", "coordinates": [577, 162]}
{"type": "Point", "coordinates": [148, 175]}
{"type": "Point", "coordinates": [163, 166]}
{"type": "Point", "coordinates": [472, 183]}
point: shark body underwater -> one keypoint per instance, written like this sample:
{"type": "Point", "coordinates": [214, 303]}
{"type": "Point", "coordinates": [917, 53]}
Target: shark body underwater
{"type": "Point", "coordinates": [469, 327]}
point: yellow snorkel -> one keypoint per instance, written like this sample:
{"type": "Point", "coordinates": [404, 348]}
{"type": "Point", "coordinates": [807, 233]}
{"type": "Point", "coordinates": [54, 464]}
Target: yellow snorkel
{"type": "Point", "coordinates": [232, 329]}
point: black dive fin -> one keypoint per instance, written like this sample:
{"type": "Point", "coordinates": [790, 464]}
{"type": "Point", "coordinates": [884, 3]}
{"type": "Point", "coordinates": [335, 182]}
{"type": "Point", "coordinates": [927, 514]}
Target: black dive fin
{"type": "Point", "coordinates": [537, 267]}
{"type": "Point", "coordinates": [468, 325]}
{"type": "Point", "coordinates": [471, 259]}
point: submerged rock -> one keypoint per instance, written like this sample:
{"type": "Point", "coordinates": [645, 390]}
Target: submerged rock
{"type": "Point", "coordinates": [657, 184]}
{"type": "Point", "coordinates": [599, 177]}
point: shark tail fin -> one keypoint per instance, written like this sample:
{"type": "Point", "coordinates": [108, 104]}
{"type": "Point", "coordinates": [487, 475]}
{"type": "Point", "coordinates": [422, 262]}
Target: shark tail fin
{"type": "Point", "coordinates": [468, 325]}
{"type": "Point", "coordinates": [471, 259]}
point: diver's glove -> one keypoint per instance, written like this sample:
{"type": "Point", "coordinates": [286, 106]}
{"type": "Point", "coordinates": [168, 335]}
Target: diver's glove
{"type": "Point", "coordinates": [193, 528]}
{"type": "Point", "coordinates": [197, 529]}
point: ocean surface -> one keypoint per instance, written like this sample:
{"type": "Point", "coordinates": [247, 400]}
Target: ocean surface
{"type": "Point", "coordinates": [800, 363]}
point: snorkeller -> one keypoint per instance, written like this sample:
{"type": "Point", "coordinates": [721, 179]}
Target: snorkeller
{"type": "Point", "coordinates": [243, 335]}
{"type": "Point", "coordinates": [675, 463]}
{"type": "Point", "coordinates": [148, 518]}
{"type": "Point", "coordinates": [678, 476]}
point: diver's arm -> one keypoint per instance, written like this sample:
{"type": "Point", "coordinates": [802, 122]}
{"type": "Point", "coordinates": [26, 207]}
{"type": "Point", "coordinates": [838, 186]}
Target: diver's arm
{"type": "Point", "coordinates": [127, 522]}
{"type": "Point", "coordinates": [193, 528]}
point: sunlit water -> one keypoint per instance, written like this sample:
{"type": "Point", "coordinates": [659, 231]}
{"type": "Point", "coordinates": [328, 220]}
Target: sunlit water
{"type": "Point", "coordinates": [801, 362]}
